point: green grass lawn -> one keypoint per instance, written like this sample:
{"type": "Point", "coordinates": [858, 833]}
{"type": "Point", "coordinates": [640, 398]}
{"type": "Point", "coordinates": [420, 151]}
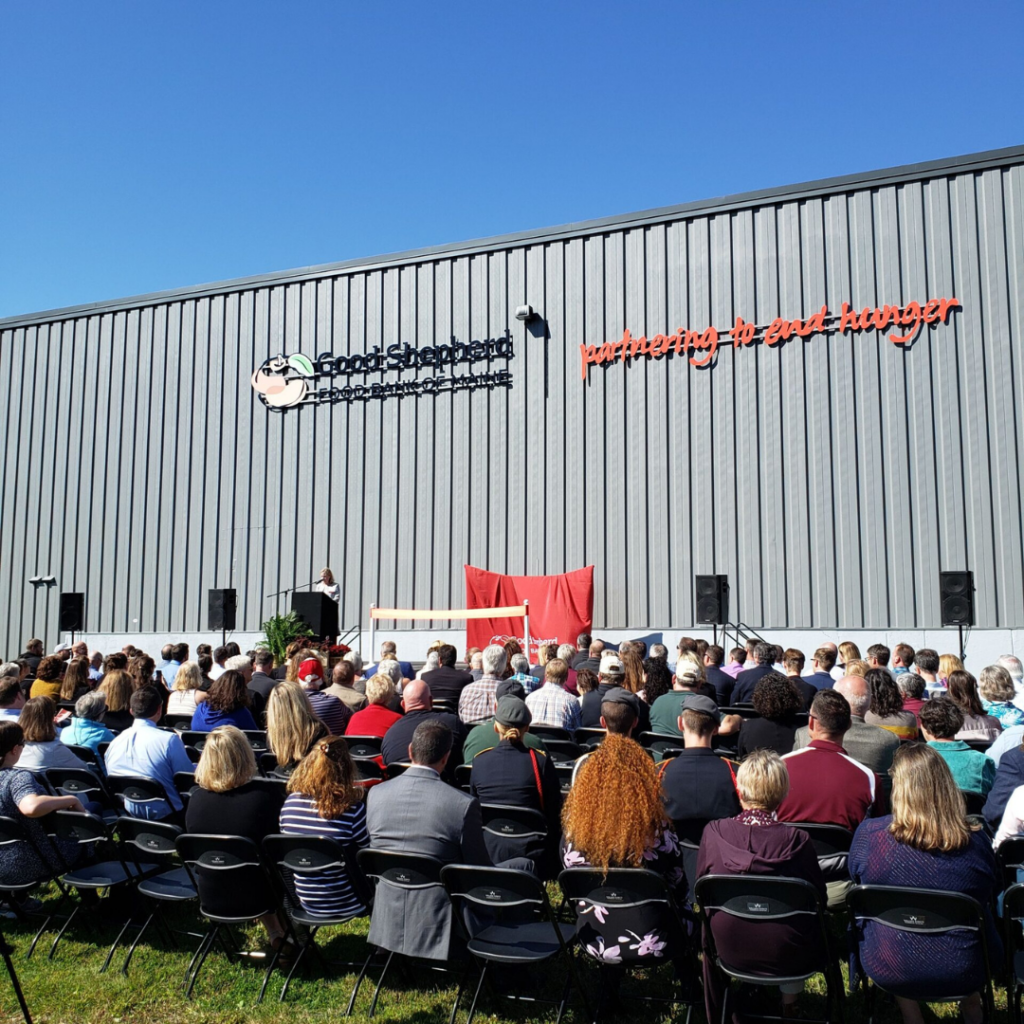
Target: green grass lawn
{"type": "Point", "coordinates": [70, 989]}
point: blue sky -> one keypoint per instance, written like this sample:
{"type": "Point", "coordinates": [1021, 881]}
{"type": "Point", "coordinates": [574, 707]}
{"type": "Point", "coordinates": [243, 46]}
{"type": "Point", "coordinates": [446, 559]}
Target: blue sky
{"type": "Point", "coordinates": [158, 145]}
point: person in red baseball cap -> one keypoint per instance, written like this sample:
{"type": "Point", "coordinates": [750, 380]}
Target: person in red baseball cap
{"type": "Point", "coordinates": [331, 711]}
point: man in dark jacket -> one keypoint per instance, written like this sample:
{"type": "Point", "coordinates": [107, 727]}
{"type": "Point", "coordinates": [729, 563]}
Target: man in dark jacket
{"type": "Point", "coordinates": [418, 708]}
{"type": "Point", "coordinates": [1009, 775]}
{"type": "Point", "coordinates": [446, 682]}
{"type": "Point", "coordinates": [743, 692]}
{"type": "Point", "coordinates": [723, 683]}
{"type": "Point", "coordinates": [33, 654]}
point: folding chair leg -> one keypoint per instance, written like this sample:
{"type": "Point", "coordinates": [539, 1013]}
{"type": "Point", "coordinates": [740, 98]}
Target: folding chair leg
{"type": "Point", "coordinates": [566, 991]}
{"type": "Point", "coordinates": [578, 981]}
{"type": "Point", "coordinates": [5, 951]}
{"type": "Point", "coordinates": [203, 952]}
{"type": "Point", "coordinates": [138, 939]}
{"type": "Point", "coordinates": [195, 957]}
{"type": "Point", "coordinates": [120, 934]}
{"type": "Point", "coordinates": [295, 965]}
{"type": "Point", "coordinates": [60, 934]}
{"type": "Point", "coordinates": [359, 981]}
{"type": "Point", "coordinates": [380, 983]}
{"type": "Point", "coordinates": [270, 968]}
{"type": "Point", "coordinates": [39, 935]}
{"type": "Point", "coordinates": [476, 994]}
{"type": "Point", "coordinates": [458, 997]}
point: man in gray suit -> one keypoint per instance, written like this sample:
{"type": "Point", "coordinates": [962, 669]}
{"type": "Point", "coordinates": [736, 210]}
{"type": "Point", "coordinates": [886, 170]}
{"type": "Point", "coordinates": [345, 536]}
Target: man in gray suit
{"type": "Point", "coordinates": [420, 813]}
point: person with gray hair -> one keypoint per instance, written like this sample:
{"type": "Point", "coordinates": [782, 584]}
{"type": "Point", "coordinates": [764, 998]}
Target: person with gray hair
{"type": "Point", "coordinates": [912, 690]}
{"type": "Point", "coordinates": [521, 673]}
{"type": "Point", "coordinates": [240, 663]}
{"type": "Point", "coordinates": [10, 668]}
{"type": "Point", "coordinates": [1013, 665]}
{"type": "Point", "coordinates": [86, 729]}
{"type": "Point", "coordinates": [872, 745]}
{"type": "Point", "coordinates": [566, 653]}
{"type": "Point", "coordinates": [478, 700]}
{"type": "Point", "coordinates": [997, 691]}
{"type": "Point", "coordinates": [355, 659]}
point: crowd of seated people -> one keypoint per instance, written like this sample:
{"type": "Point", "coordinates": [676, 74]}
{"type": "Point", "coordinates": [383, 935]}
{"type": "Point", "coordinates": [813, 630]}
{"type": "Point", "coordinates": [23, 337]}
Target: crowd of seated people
{"type": "Point", "coordinates": [890, 747]}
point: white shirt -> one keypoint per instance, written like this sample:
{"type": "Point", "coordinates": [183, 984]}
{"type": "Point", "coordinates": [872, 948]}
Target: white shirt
{"type": "Point", "coordinates": [217, 671]}
{"type": "Point", "coordinates": [333, 591]}
{"type": "Point", "coordinates": [1013, 817]}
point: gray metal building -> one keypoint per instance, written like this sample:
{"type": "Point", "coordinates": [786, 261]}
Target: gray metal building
{"type": "Point", "coordinates": [830, 476]}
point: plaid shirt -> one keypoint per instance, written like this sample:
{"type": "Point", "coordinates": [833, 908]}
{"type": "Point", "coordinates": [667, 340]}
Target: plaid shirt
{"type": "Point", "coordinates": [478, 700]}
{"type": "Point", "coordinates": [554, 706]}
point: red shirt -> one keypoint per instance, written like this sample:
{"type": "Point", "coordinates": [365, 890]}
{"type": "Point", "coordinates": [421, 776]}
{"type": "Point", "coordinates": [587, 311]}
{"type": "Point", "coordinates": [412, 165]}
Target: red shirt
{"type": "Point", "coordinates": [913, 704]}
{"type": "Point", "coordinates": [828, 787]}
{"type": "Point", "coordinates": [373, 720]}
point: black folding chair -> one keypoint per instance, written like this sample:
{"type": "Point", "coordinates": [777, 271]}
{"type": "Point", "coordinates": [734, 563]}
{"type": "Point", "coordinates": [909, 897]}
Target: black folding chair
{"type": "Point", "coordinates": [595, 896]}
{"type": "Point", "coordinates": [13, 832]}
{"type": "Point", "coordinates": [85, 785]}
{"type": "Point", "coordinates": [509, 920]}
{"type": "Point", "coordinates": [5, 951]}
{"type": "Point", "coordinates": [310, 858]}
{"type": "Point", "coordinates": [179, 723]}
{"type": "Point", "coordinates": [368, 770]}
{"type": "Point", "coordinates": [234, 888]}
{"type": "Point", "coordinates": [257, 740]}
{"type": "Point", "coordinates": [445, 704]}
{"type": "Point", "coordinates": [562, 750]}
{"type": "Point", "coordinates": [88, 755]}
{"type": "Point", "coordinates": [111, 872]}
{"type": "Point", "coordinates": [515, 832]}
{"type": "Point", "coordinates": [363, 746]}
{"type": "Point", "coordinates": [588, 739]}
{"type": "Point", "coordinates": [463, 776]}
{"type": "Point", "coordinates": [136, 789]}
{"type": "Point", "coordinates": [194, 738]}
{"type": "Point", "coordinates": [396, 768]}
{"type": "Point", "coordinates": [980, 745]}
{"type": "Point", "coordinates": [922, 912]}
{"type": "Point", "coordinates": [278, 786]}
{"type": "Point", "coordinates": [564, 773]}
{"type": "Point", "coordinates": [758, 899]}
{"type": "Point", "coordinates": [184, 783]}
{"type": "Point", "coordinates": [1013, 945]}
{"type": "Point", "coordinates": [270, 769]}
{"type": "Point", "coordinates": [831, 846]}
{"type": "Point", "coordinates": [102, 748]}
{"type": "Point", "coordinates": [551, 732]}
{"type": "Point", "coordinates": [153, 844]}
{"type": "Point", "coordinates": [411, 872]}
{"type": "Point", "coordinates": [974, 802]}
{"type": "Point", "coordinates": [743, 710]}
{"type": "Point", "coordinates": [660, 743]}
{"type": "Point", "coordinates": [1010, 858]}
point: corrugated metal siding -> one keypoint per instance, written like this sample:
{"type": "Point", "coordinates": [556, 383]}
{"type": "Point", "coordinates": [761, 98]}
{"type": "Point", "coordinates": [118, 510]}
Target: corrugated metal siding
{"type": "Point", "coordinates": [830, 478]}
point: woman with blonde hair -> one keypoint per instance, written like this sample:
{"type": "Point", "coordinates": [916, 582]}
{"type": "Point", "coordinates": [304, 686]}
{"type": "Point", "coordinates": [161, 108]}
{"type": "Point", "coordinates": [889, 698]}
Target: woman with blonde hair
{"type": "Point", "coordinates": [926, 843]}
{"type": "Point", "coordinates": [324, 800]}
{"type": "Point", "coordinates": [997, 691]}
{"type": "Point", "coordinates": [292, 728]}
{"type": "Point", "coordinates": [856, 668]}
{"type": "Point", "coordinates": [613, 817]}
{"type": "Point", "coordinates": [329, 586]}
{"type": "Point", "coordinates": [117, 688]}
{"type": "Point", "coordinates": [848, 651]}
{"type": "Point", "coordinates": [377, 717]}
{"type": "Point", "coordinates": [228, 801]}
{"type": "Point", "coordinates": [948, 664]}
{"type": "Point", "coordinates": [185, 693]}
{"type": "Point", "coordinates": [756, 843]}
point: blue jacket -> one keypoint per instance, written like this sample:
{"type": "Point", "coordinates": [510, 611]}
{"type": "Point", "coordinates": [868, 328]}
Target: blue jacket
{"type": "Point", "coordinates": [81, 732]}
{"type": "Point", "coordinates": [1009, 775]}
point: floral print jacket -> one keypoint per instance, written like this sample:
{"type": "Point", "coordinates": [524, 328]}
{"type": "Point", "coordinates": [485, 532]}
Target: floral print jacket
{"type": "Point", "coordinates": [614, 934]}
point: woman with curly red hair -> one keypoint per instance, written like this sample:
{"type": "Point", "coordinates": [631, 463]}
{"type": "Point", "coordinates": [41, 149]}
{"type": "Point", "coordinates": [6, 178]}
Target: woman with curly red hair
{"type": "Point", "coordinates": [614, 817]}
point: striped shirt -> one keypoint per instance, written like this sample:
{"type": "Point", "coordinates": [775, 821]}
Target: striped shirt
{"type": "Point", "coordinates": [478, 700]}
{"type": "Point", "coordinates": [329, 893]}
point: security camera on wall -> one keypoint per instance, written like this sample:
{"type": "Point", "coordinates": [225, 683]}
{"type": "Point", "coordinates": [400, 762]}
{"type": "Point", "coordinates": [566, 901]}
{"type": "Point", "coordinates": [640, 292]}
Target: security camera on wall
{"type": "Point", "coordinates": [524, 312]}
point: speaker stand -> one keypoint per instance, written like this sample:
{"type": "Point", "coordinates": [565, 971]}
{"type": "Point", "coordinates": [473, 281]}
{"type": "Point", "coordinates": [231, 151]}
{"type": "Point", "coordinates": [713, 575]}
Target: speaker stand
{"type": "Point", "coordinates": [960, 632]}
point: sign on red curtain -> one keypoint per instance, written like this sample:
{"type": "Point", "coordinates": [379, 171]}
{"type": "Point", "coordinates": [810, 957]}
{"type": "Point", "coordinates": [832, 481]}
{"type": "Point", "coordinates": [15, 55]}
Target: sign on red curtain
{"type": "Point", "coordinates": [561, 607]}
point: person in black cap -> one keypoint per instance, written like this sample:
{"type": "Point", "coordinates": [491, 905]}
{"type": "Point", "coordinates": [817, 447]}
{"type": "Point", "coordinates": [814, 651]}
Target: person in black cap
{"type": "Point", "coordinates": [698, 786]}
{"type": "Point", "coordinates": [610, 676]}
{"type": "Point", "coordinates": [482, 737]}
{"type": "Point", "coordinates": [512, 774]}
{"type": "Point", "coordinates": [620, 716]}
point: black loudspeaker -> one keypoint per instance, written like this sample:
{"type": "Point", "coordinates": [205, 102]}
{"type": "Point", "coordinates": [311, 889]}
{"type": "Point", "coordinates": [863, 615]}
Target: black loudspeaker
{"type": "Point", "coordinates": [712, 600]}
{"type": "Point", "coordinates": [956, 595]}
{"type": "Point", "coordinates": [71, 616]}
{"type": "Point", "coordinates": [222, 609]}
{"type": "Point", "coordinates": [318, 612]}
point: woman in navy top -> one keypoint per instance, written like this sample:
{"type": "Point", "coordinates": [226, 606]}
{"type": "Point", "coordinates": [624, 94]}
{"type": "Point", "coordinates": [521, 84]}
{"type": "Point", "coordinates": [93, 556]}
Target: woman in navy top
{"type": "Point", "coordinates": [227, 703]}
{"type": "Point", "coordinates": [926, 843]}
{"type": "Point", "coordinates": [324, 800]}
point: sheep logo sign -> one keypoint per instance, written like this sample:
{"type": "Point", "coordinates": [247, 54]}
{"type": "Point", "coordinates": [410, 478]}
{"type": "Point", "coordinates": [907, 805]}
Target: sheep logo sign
{"type": "Point", "coordinates": [282, 381]}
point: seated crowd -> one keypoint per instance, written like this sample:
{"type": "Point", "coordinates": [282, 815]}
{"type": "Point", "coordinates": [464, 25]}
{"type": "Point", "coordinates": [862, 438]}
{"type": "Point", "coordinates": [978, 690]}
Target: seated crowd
{"type": "Point", "coordinates": [699, 768]}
